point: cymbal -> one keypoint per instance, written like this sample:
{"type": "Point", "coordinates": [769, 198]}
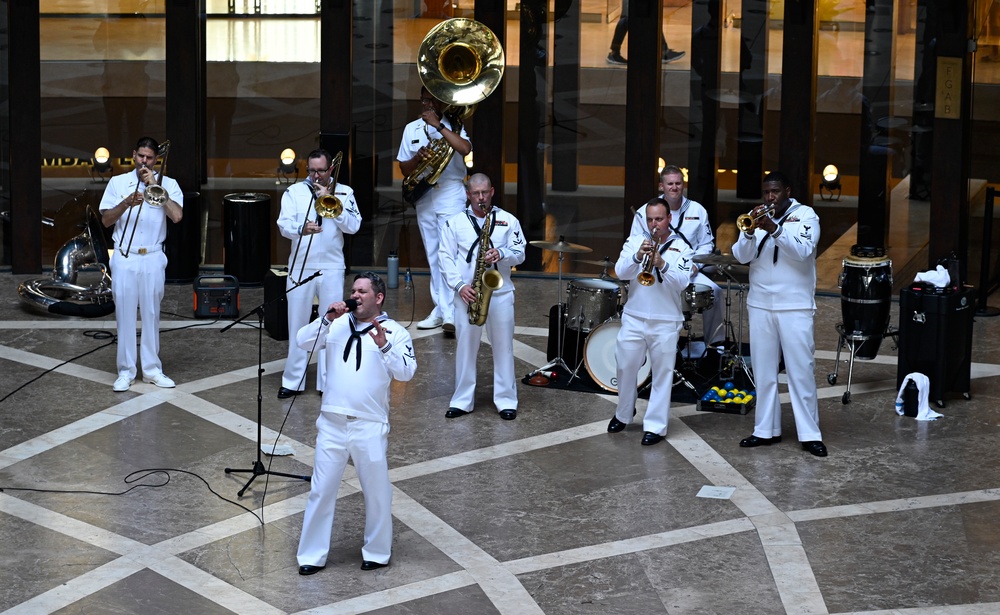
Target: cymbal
{"type": "Point", "coordinates": [561, 246]}
{"type": "Point", "coordinates": [607, 262]}
{"type": "Point", "coordinates": [715, 259]}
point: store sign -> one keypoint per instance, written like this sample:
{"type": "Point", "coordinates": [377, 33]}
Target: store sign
{"type": "Point", "coordinates": [948, 102]}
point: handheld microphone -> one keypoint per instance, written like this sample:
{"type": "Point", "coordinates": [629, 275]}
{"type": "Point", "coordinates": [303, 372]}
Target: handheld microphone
{"type": "Point", "coordinates": [351, 304]}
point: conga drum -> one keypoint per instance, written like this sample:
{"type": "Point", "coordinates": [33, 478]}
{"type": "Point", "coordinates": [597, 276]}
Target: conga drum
{"type": "Point", "coordinates": [865, 298]}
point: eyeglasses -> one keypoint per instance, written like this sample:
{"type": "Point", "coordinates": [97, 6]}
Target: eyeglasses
{"type": "Point", "coordinates": [318, 171]}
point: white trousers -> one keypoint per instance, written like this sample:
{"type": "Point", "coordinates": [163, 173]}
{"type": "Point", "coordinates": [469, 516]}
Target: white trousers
{"type": "Point", "coordinates": [635, 338]}
{"type": "Point", "coordinates": [788, 334]}
{"type": "Point", "coordinates": [365, 443]}
{"type": "Point", "coordinates": [137, 285]}
{"type": "Point", "coordinates": [712, 318]}
{"type": "Point", "coordinates": [439, 204]}
{"type": "Point", "coordinates": [329, 287]}
{"type": "Point", "coordinates": [499, 328]}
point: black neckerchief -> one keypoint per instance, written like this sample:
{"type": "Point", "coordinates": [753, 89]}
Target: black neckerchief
{"type": "Point", "coordinates": [677, 229]}
{"type": "Point", "coordinates": [356, 336]}
{"type": "Point", "coordinates": [663, 248]}
{"type": "Point", "coordinates": [780, 222]}
{"type": "Point", "coordinates": [479, 232]}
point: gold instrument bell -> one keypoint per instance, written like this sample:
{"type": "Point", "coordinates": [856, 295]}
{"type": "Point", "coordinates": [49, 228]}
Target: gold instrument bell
{"type": "Point", "coordinates": [329, 206]}
{"type": "Point", "coordinates": [460, 62]}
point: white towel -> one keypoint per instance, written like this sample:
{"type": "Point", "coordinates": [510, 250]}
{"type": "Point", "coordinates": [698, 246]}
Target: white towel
{"type": "Point", "coordinates": [939, 277]}
{"type": "Point", "coordinates": [923, 393]}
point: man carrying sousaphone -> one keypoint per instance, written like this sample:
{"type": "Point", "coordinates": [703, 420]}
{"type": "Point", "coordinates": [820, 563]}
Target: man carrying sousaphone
{"type": "Point", "coordinates": [437, 202]}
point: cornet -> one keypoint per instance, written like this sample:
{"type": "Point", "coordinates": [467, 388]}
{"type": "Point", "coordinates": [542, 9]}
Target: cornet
{"type": "Point", "coordinates": [748, 222]}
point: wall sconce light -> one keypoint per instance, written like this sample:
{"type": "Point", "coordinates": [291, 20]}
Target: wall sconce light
{"type": "Point", "coordinates": [829, 186]}
{"type": "Point", "coordinates": [287, 166]}
{"type": "Point", "coordinates": [100, 165]}
{"type": "Point", "coordinates": [660, 165]}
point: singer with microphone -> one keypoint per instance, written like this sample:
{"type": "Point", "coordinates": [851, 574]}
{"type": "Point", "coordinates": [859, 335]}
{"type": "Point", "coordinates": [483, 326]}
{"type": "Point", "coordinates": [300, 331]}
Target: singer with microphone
{"type": "Point", "coordinates": [365, 351]}
{"type": "Point", "coordinates": [316, 259]}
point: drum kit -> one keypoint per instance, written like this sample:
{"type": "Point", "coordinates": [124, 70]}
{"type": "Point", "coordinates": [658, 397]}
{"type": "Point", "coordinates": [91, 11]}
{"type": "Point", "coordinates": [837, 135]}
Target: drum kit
{"type": "Point", "coordinates": [699, 297]}
{"type": "Point", "coordinates": [591, 315]}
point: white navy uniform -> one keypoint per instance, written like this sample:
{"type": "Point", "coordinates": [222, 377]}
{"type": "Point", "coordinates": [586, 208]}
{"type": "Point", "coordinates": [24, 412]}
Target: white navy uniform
{"type": "Point", "coordinates": [137, 281]}
{"type": "Point", "coordinates": [326, 255]}
{"type": "Point", "coordinates": [651, 321]}
{"type": "Point", "coordinates": [459, 251]}
{"type": "Point", "coordinates": [691, 224]}
{"type": "Point", "coordinates": [353, 424]}
{"type": "Point", "coordinates": [441, 202]}
{"type": "Point", "coordinates": [781, 305]}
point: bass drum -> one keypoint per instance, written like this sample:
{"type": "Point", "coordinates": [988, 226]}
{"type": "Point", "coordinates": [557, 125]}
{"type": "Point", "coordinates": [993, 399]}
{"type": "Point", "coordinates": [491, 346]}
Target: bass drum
{"type": "Point", "coordinates": [599, 357]}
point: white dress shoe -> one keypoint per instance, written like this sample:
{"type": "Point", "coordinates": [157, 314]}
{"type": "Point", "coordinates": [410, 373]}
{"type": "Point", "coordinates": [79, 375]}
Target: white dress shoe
{"type": "Point", "coordinates": [161, 381]}
{"type": "Point", "coordinates": [448, 325]}
{"type": "Point", "coordinates": [122, 383]}
{"type": "Point", "coordinates": [431, 322]}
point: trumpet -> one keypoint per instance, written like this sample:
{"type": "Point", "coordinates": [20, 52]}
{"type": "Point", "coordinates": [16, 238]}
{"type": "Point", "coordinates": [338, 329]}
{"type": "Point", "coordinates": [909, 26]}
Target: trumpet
{"type": "Point", "coordinates": [645, 276]}
{"type": "Point", "coordinates": [748, 222]}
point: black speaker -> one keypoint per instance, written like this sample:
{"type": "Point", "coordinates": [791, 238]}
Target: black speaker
{"type": "Point", "coordinates": [275, 304]}
{"type": "Point", "coordinates": [935, 338]}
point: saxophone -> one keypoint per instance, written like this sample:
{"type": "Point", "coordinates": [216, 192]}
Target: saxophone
{"type": "Point", "coordinates": [484, 280]}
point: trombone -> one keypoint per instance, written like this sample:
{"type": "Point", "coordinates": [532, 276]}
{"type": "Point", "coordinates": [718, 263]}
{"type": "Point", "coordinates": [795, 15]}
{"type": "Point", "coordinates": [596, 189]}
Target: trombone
{"type": "Point", "coordinates": [326, 206]}
{"type": "Point", "coordinates": [155, 195]}
{"type": "Point", "coordinates": [748, 222]}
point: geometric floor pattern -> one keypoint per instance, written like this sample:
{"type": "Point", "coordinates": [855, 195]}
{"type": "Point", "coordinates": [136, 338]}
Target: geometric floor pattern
{"type": "Point", "coordinates": [544, 514]}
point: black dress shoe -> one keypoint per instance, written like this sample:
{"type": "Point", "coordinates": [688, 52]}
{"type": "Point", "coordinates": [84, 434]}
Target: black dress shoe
{"type": "Point", "coordinates": [649, 438]}
{"type": "Point", "coordinates": [284, 393]}
{"type": "Point", "coordinates": [753, 441]}
{"type": "Point", "coordinates": [307, 570]}
{"type": "Point", "coordinates": [509, 414]}
{"type": "Point", "coordinates": [815, 447]}
{"type": "Point", "coordinates": [454, 412]}
{"type": "Point", "coordinates": [615, 425]}
{"type": "Point", "coordinates": [369, 565]}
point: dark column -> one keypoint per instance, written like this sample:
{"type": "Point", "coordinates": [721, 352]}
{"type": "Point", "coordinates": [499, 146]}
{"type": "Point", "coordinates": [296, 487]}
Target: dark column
{"type": "Point", "coordinates": [487, 132]}
{"type": "Point", "coordinates": [753, 80]}
{"type": "Point", "coordinates": [952, 112]}
{"type": "Point", "coordinates": [336, 78]}
{"type": "Point", "coordinates": [357, 119]}
{"type": "Point", "coordinates": [703, 118]}
{"type": "Point", "coordinates": [25, 130]}
{"type": "Point", "coordinates": [642, 100]}
{"type": "Point", "coordinates": [532, 91]}
{"type": "Point", "coordinates": [922, 130]}
{"type": "Point", "coordinates": [566, 97]}
{"type": "Point", "coordinates": [798, 97]}
{"type": "Point", "coordinates": [185, 104]}
{"type": "Point", "coordinates": [876, 107]}
{"type": "Point", "coordinates": [386, 142]}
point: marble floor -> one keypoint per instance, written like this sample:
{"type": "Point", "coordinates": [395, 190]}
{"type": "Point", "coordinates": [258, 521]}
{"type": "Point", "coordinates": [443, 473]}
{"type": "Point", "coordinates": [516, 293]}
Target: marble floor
{"type": "Point", "coordinates": [120, 503]}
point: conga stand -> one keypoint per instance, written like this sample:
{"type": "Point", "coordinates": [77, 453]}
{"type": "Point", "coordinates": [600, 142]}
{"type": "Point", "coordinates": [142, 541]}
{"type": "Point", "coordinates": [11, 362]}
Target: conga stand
{"type": "Point", "coordinates": [852, 341]}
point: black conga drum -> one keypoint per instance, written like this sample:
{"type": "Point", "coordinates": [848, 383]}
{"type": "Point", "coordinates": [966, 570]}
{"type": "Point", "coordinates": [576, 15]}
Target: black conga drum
{"type": "Point", "coordinates": [866, 296]}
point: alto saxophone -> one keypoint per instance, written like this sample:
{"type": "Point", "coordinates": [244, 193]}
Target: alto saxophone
{"type": "Point", "coordinates": [484, 280]}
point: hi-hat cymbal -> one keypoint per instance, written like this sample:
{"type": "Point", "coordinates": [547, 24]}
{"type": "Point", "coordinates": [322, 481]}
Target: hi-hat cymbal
{"type": "Point", "coordinates": [561, 246]}
{"type": "Point", "coordinates": [606, 263]}
{"type": "Point", "coordinates": [715, 259]}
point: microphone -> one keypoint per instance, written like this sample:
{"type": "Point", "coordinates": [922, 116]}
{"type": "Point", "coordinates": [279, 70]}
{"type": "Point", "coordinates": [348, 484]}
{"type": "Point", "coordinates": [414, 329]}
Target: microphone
{"type": "Point", "coordinates": [351, 304]}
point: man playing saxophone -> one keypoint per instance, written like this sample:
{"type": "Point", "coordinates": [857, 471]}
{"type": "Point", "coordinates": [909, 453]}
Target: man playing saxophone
{"type": "Point", "coordinates": [445, 199]}
{"type": "Point", "coordinates": [652, 318]}
{"type": "Point", "coordinates": [481, 238]}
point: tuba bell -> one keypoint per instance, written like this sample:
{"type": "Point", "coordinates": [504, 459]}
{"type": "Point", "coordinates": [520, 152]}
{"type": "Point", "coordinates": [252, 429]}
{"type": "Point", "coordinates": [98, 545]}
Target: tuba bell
{"type": "Point", "coordinates": [460, 62]}
{"type": "Point", "coordinates": [63, 293]}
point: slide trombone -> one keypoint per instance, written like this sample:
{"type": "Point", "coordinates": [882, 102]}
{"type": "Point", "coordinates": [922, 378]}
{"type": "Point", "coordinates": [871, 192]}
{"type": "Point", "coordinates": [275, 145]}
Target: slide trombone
{"type": "Point", "coordinates": [155, 195]}
{"type": "Point", "coordinates": [326, 206]}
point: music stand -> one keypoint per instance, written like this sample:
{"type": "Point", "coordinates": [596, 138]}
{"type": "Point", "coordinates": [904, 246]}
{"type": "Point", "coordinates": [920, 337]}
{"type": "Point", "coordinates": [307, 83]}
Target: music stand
{"type": "Point", "coordinates": [258, 468]}
{"type": "Point", "coordinates": [561, 247]}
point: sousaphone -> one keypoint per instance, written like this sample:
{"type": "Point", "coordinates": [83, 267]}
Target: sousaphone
{"type": "Point", "coordinates": [460, 62]}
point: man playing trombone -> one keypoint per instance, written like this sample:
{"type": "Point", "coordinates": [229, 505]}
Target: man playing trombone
{"type": "Point", "coordinates": [316, 260]}
{"type": "Point", "coordinates": [658, 264]}
{"type": "Point", "coordinates": [138, 263]}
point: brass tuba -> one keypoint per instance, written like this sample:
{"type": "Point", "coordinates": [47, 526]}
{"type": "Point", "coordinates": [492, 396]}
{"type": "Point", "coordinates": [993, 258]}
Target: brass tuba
{"type": "Point", "coordinates": [484, 280]}
{"type": "Point", "coordinates": [460, 62]}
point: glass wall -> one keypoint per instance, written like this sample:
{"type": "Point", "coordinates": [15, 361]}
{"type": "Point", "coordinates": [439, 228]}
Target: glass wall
{"type": "Point", "coordinates": [103, 85]}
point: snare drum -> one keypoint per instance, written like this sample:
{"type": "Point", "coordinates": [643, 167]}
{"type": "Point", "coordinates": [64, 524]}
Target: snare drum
{"type": "Point", "coordinates": [699, 297]}
{"type": "Point", "coordinates": [590, 303]}
{"type": "Point", "coordinates": [599, 357]}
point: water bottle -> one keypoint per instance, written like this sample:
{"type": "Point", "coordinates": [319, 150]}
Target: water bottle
{"type": "Point", "coordinates": [407, 280]}
{"type": "Point", "coordinates": [393, 274]}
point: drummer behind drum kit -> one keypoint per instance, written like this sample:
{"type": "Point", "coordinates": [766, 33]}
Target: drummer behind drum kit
{"type": "Point", "coordinates": [590, 319]}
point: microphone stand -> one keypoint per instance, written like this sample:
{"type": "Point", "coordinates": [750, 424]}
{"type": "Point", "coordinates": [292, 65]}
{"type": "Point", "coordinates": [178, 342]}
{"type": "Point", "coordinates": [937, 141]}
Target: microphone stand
{"type": "Point", "coordinates": [258, 468]}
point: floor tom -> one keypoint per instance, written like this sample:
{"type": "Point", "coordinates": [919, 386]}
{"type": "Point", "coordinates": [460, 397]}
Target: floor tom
{"type": "Point", "coordinates": [699, 297]}
{"type": "Point", "coordinates": [591, 302]}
